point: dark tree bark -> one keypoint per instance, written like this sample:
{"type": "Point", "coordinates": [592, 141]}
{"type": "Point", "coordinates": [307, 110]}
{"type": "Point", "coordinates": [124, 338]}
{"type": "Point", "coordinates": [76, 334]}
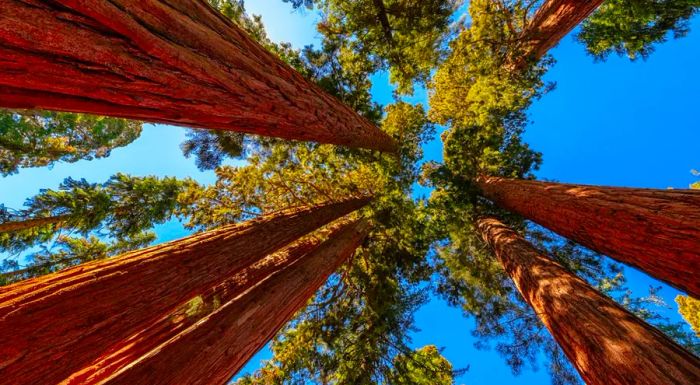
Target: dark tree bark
{"type": "Point", "coordinates": [606, 344]}
{"type": "Point", "coordinates": [54, 325]}
{"type": "Point", "coordinates": [187, 314]}
{"type": "Point", "coordinates": [213, 350]}
{"type": "Point", "coordinates": [168, 61]}
{"type": "Point", "coordinates": [11, 226]}
{"type": "Point", "coordinates": [551, 22]}
{"type": "Point", "coordinates": [656, 231]}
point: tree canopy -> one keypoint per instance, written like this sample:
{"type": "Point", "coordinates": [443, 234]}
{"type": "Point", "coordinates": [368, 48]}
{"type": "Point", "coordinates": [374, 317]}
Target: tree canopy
{"type": "Point", "coordinates": [42, 138]}
{"type": "Point", "coordinates": [634, 27]}
{"type": "Point", "coordinates": [357, 328]}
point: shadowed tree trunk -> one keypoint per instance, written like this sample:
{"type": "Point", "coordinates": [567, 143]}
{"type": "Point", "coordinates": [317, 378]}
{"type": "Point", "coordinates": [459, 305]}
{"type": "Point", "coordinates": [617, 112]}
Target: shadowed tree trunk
{"type": "Point", "coordinates": [606, 344]}
{"type": "Point", "coordinates": [11, 226]}
{"type": "Point", "coordinates": [132, 348]}
{"type": "Point", "coordinates": [214, 349]}
{"type": "Point", "coordinates": [656, 231]}
{"type": "Point", "coordinates": [57, 324]}
{"type": "Point", "coordinates": [169, 61]}
{"type": "Point", "coordinates": [552, 21]}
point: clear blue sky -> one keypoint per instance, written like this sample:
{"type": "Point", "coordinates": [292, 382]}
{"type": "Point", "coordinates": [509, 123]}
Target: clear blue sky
{"type": "Point", "coordinates": [614, 123]}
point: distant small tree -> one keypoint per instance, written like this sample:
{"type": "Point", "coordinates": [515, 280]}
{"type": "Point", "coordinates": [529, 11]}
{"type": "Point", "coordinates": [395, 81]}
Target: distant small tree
{"type": "Point", "coordinates": [111, 218]}
{"type": "Point", "coordinates": [634, 27]}
{"type": "Point", "coordinates": [42, 138]}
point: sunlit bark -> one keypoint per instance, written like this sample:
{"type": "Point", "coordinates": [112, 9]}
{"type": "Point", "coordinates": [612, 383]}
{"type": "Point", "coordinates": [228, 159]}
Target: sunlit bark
{"type": "Point", "coordinates": [54, 325]}
{"type": "Point", "coordinates": [606, 344]}
{"type": "Point", "coordinates": [174, 61]}
{"type": "Point", "coordinates": [656, 231]}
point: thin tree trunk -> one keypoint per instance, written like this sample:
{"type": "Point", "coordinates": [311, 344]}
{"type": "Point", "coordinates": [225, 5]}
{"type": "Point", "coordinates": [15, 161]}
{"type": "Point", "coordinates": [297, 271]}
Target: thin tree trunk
{"type": "Point", "coordinates": [214, 349]}
{"type": "Point", "coordinates": [187, 314]}
{"type": "Point", "coordinates": [606, 344]}
{"type": "Point", "coordinates": [552, 21]}
{"type": "Point", "coordinates": [384, 20]}
{"type": "Point", "coordinates": [170, 61]}
{"type": "Point", "coordinates": [656, 231]}
{"type": "Point", "coordinates": [12, 226]}
{"type": "Point", "coordinates": [54, 325]}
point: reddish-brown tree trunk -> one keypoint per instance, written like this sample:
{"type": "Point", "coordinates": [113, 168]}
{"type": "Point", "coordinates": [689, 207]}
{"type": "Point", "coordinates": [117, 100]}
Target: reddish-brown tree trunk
{"type": "Point", "coordinates": [214, 349]}
{"type": "Point", "coordinates": [551, 22]}
{"type": "Point", "coordinates": [656, 231]}
{"type": "Point", "coordinates": [57, 324]}
{"type": "Point", "coordinates": [606, 344]}
{"type": "Point", "coordinates": [11, 226]}
{"type": "Point", "coordinates": [187, 314]}
{"type": "Point", "coordinates": [169, 61]}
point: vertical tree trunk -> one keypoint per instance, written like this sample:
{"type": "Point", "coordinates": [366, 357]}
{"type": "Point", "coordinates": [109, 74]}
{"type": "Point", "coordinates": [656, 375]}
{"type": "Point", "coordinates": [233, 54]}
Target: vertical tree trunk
{"type": "Point", "coordinates": [656, 231]}
{"type": "Point", "coordinates": [187, 314]}
{"type": "Point", "coordinates": [214, 349]}
{"type": "Point", "coordinates": [551, 22]}
{"type": "Point", "coordinates": [607, 344]}
{"type": "Point", "coordinates": [169, 61]}
{"type": "Point", "coordinates": [11, 226]}
{"type": "Point", "coordinates": [54, 325]}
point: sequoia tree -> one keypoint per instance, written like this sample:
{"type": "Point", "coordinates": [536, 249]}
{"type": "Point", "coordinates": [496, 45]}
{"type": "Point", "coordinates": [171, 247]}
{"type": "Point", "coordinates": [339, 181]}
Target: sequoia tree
{"type": "Point", "coordinates": [553, 20]}
{"type": "Point", "coordinates": [183, 64]}
{"type": "Point", "coordinates": [655, 231]}
{"type": "Point", "coordinates": [216, 347]}
{"type": "Point", "coordinates": [606, 343]}
{"type": "Point", "coordinates": [131, 349]}
{"type": "Point", "coordinates": [84, 309]}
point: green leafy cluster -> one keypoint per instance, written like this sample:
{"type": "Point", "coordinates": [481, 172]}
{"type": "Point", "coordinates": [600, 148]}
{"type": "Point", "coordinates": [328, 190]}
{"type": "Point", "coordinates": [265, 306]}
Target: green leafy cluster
{"type": "Point", "coordinates": [402, 36]}
{"type": "Point", "coordinates": [634, 27]}
{"type": "Point", "coordinates": [122, 211]}
{"type": "Point", "coordinates": [42, 138]}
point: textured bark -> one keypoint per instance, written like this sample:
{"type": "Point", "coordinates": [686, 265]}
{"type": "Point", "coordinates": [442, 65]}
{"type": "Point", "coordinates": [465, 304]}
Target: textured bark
{"type": "Point", "coordinates": [57, 324]}
{"type": "Point", "coordinates": [551, 22]}
{"type": "Point", "coordinates": [169, 61]}
{"type": "Point", "coordinates": [11, 226]}
{"type": "Point", "coordinates": [213, 350]}
{"type": "Point", "coordinates": [187, 314]}
{"type": "Point", "coordinates": [656, 231]}
{"type": "Point", "coordinates": [606, 344]}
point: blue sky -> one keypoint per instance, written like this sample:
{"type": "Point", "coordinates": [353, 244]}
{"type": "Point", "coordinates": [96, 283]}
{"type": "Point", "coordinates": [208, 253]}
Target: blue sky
{"type": "Point", "coordinates": [613, 123]}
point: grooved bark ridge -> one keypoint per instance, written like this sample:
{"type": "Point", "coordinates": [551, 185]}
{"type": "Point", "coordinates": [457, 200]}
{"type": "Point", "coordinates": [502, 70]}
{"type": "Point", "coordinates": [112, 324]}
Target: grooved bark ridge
{"type": "Point", "coordinates": [213, 350]}
{"type": "Point", "coordinates": [606, 344]}
{"type": "Point", "coordinates": [656, 231]}
{"type": "Point", "coordinates": [169, 61]}
{"type": "Point", "coordinates": [54, 325]}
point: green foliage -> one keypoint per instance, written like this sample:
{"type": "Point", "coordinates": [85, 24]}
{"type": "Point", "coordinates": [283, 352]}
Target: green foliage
{"type": "Point", "coordinates": [211, 147]}
{"type": "Point", "coordinates": [406, 37]}
{"type": "Point", "coordinates": [121, 211]}
{"type": "Point", "coordinates": [424, 366]}
{"type": "Point", "coordinates": [357, 324]}
{"type": "Point", "coordinates": [633, 27]}
{"type": "Point", "coordinates": [42, 138]}
{"type": "Point", "coordinates": [482, 100]}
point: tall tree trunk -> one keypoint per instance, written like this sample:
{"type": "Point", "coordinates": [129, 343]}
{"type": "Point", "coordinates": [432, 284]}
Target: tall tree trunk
{"type": "Point", "coordinates": [174, 61]}
{"type": "Point", "coordinates": [11, 226]}
{"type": "Point", "coordinates": [54, 325]}
{"type": "Point", "coordinates": [606, 344]}
{"type": "Point", "coordinates": [551, 22]}
{"type": "Point", "coordinates": [130, 349]}
{"type": "Point", "coordinates": [214, 349]}
{"type": "Point", "coordinates": [656, 231]}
